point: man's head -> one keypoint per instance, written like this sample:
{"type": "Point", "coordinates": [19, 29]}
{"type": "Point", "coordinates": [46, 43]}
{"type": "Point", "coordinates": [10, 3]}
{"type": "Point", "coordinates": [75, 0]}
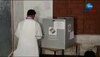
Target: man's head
{"type": "Point", "coordinates": [31, 13]}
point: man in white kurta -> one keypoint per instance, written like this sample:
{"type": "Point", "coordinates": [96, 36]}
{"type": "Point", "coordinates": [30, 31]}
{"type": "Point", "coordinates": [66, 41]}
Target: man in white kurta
{"type": "Point", "coordinates": [28, 32]}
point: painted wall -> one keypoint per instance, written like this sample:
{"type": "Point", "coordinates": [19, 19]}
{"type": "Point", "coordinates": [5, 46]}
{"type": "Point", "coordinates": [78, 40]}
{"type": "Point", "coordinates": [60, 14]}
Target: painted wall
{"type": "Point", "coordinates": [18, 15]}
{"type": "Point", "coordinates": [43, 8]}
{"type": "Point", "coordinates": [5, 28]}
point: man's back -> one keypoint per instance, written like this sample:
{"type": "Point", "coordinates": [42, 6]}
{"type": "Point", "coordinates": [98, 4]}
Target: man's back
{"type": "Point", "coordinates": [27, 32]}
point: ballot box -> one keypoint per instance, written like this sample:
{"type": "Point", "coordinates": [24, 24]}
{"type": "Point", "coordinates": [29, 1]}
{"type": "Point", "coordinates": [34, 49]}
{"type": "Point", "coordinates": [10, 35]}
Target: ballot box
{"type": "Point", "coordinates": [58, 33]}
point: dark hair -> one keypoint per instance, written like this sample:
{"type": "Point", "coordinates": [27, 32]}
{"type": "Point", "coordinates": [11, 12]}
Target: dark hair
{"type": "Point", "coordinates": [31, 12]}
{"type": "Point", "coordinates": [89, 54]}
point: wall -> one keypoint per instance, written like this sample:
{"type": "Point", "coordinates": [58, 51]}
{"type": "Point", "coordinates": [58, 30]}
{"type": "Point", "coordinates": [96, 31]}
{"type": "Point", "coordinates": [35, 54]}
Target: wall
{"type": "Point", "coordinates": [85, 22]}
{"type": "Point", "coordinates": [43, 8]}
{"type": "Point", "coordinates": [18, 15]}
{"type": "Point", "coordinates": [5, 28]}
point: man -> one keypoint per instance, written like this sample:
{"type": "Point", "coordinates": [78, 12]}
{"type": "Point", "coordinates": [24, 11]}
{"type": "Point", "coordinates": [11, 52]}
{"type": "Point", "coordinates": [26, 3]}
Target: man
{"type": "Point", "coordinates": [28, 32]}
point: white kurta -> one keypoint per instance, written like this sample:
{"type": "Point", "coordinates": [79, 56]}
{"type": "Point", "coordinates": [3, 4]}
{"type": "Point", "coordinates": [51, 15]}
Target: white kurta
{"type": "Point", "coordinates": [28, 32]}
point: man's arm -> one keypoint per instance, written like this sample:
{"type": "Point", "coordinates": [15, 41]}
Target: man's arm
{"type": "Point", "coordinates": [38, 31]}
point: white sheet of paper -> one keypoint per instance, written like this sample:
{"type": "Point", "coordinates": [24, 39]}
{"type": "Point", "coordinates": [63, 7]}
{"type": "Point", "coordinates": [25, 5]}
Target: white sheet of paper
{"type": "Point", "coordinates": [72, 35]}
{"type": "Point", "coordinates": [51, 32]}
{"type": "Point", "coordinates": [59, 24]}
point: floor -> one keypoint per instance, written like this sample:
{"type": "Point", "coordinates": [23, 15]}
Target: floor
{"type": "Point", "coordinates": [58, 56]}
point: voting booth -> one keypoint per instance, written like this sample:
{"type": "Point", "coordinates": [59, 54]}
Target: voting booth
{"type": "Point", "coordinates": [58, 33]}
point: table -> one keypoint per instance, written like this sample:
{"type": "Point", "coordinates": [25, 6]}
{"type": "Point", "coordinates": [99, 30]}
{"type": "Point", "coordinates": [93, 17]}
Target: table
{"type": "Point", "coordinates": [77, 45]}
